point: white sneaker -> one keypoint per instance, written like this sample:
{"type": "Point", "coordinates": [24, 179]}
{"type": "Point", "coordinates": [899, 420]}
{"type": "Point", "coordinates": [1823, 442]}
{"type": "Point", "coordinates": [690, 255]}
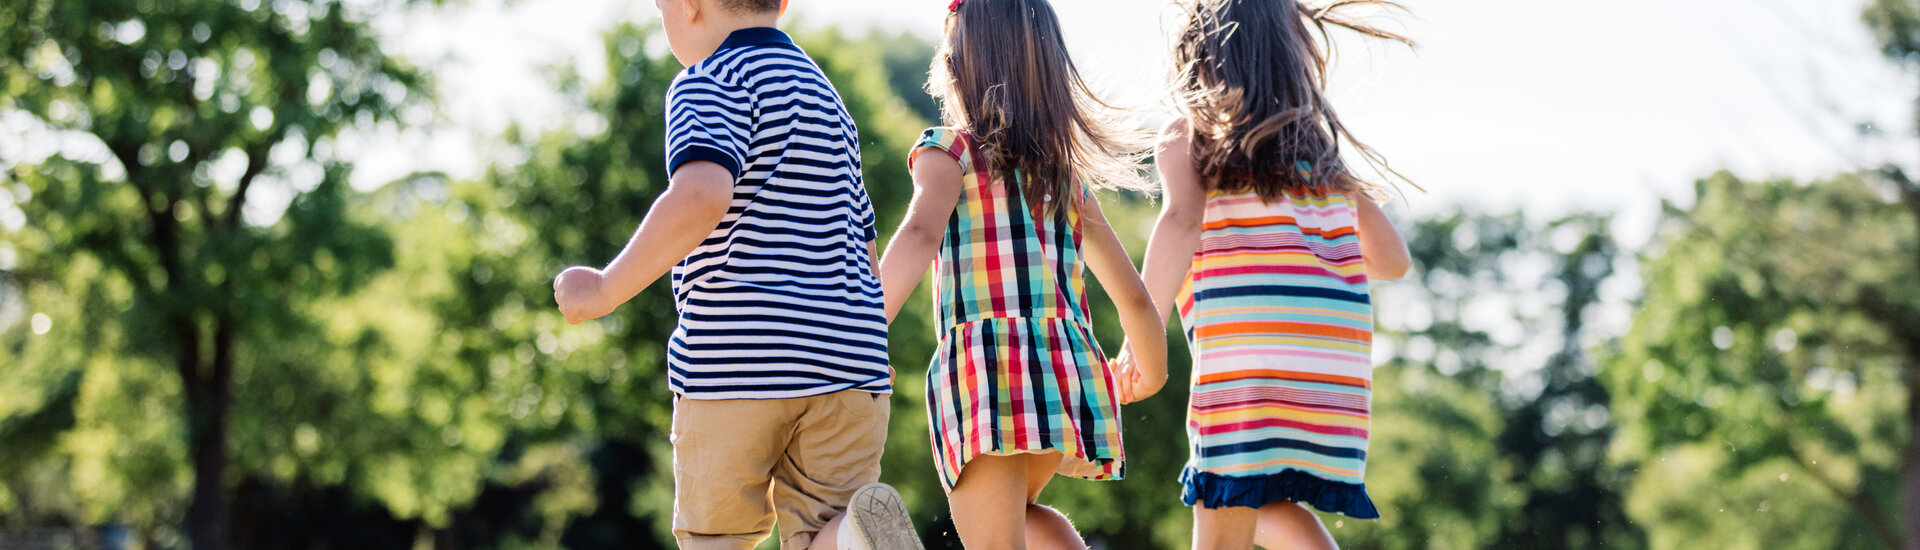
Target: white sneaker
{"type": "Point", "coordinates": [877, 520]}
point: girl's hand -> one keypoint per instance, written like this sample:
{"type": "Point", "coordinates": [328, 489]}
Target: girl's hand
{"type": "Point", "coordinates": [1135, 385]}
{"type": "Point", "coordinates": [1125, 376]}
{"type": "Point", "coordinates": [578, 291]}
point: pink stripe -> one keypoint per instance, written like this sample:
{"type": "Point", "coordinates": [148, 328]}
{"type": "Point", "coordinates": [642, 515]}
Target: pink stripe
{"type": "Point", "coordinates": [1210, 355]}
{"type": "Point", "coordinates": [1283, 423]}
{"type": "Point", "coordinates": [1356, 278]}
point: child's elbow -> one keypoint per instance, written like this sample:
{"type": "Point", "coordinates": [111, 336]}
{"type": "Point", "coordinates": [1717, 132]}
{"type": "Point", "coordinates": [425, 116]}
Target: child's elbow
{"type": "Point", "coordinates": [1142, 305]}
{"type": "Point", "coordinates": [920, 235]}
{"type": "Point", "coordinates": [1390, 269]}
{"type": "Point", "coordinates": [1181, 217]}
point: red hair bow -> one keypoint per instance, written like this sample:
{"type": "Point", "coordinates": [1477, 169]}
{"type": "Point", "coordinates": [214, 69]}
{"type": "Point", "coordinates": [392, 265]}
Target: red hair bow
{"type": "Point", "coordinates": [955, 6]}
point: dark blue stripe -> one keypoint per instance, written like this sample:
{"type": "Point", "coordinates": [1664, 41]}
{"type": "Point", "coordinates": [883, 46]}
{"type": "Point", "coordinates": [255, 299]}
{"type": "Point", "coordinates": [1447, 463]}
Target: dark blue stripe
{"type": "Point", "coordinates": [706, 153]}
{"type": "Point", "coordinates": [841, 315]}
{"type": "Point", "coordinates": [811, 291]}
{"type": "Point", "coordinates": [1281, 290]}
{"type": "Point", "coordinates": [1279, 443]}
{"type": "Point", "coordinates": [817, 333]}
{"type": "Point", "coordinates": [840, 366]}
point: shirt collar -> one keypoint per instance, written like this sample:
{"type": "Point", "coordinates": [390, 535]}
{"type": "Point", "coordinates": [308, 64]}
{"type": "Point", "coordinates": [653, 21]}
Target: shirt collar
{"type": "Point", "coordinates": [754, 36]}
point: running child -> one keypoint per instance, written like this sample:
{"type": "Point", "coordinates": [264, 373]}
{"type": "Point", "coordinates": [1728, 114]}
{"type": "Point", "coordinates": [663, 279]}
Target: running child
{"type": "Point", "coordinates": [1267, 242]}
{"type": "Point", "coordinates": [779, 363]}
{"type": "Point", "coordinates": [1003, 208]}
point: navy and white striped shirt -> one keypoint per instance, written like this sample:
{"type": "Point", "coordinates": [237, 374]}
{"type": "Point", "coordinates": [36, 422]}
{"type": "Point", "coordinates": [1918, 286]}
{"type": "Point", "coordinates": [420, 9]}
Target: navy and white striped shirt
{"type": "Point", "coordinates": [780, 301]}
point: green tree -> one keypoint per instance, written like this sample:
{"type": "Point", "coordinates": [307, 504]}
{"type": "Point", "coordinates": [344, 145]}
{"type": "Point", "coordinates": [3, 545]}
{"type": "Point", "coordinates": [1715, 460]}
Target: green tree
{"type": "Point", "coordinates": [1896, 24]}
{"type": "Point", "coordinates": [1557, 441]}
{"type": "Point", "coordinates": [1777, 347]}
{"type": "Point", "coordinates": [190, 219]}
{"type": "Point", "coordinates": [1481, 439]}
{"type": "Point", "coordinates": [1777, 353]}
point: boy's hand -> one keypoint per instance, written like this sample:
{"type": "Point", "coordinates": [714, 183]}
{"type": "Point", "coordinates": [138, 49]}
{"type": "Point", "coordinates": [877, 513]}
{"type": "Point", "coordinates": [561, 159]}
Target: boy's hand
{"type": "Point", "coordinates": [577, 290]}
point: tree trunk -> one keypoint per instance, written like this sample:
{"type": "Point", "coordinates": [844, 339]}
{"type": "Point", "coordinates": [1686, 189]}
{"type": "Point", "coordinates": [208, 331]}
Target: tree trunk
{"type": "Point", "coordinates": [209, 525]}
{"type": "Point", "coordinates": [207, 521]}
{"type": "Point", "coordinates": [1910, 457]}
{"type": "Point", "coordinates": [1910, 462]}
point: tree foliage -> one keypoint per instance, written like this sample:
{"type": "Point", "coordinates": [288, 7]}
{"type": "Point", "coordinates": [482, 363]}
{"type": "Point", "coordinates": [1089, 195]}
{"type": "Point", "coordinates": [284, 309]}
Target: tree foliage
{"type": "Point", "coordinates": [1776, 346]}
{"type": "Point", "coordinates": [186, 217]}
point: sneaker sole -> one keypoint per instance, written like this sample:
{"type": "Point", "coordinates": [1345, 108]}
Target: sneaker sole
{"type": "Point", "coordinates": [880, 519]}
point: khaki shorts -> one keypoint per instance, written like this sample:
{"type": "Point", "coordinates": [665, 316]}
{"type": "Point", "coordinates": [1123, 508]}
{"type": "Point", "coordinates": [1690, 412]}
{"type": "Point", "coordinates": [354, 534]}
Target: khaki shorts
{"type": "Point", "coordinates": [741, 465]}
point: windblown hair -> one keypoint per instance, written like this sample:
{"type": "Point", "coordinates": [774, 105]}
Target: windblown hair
{"type": "Point", "coordinates": [1249, 77]}
{"type": "Point", "coordinates": [1003, 77]}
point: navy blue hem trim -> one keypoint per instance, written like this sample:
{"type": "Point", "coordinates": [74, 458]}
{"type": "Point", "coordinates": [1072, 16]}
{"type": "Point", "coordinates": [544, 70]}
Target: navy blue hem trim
{"type": "Point", "coordinates": [701, 152]}
{"type": "Point", "coordinates": [1218, 491]}
{"type": "Point", "coordinates": [755, 35]}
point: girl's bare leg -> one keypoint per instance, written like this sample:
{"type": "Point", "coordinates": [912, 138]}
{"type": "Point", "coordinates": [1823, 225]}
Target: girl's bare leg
{"type": "Point", "coordinates": [1288, 525]}
{"type": "Point", "coordinates": [1229, 528]}
{"type": "Point", "coordinates": [1047, 528]}
{"type": "Point", "coordinates": [989, 503]}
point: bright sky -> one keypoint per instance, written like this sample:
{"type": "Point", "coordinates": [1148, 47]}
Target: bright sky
{"type": "Point", "coordinates": [1548, 106]}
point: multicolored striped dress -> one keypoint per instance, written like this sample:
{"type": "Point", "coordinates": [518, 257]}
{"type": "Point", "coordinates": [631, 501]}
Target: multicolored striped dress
{"type": "Point", "coordinates": [1280, 323]}
{"type": "Point", "coordinates": [1017, 369]}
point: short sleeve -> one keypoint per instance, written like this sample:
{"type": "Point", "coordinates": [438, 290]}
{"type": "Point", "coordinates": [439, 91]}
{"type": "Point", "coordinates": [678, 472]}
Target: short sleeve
{"type": "Point", "coordinates": [944, 139]}
{"type": "Point", "coordinates": [708, 120]}
{"type": "Point", "coordinates": [868, 231]}
{"type": "Point", "coordinates": [867, 224]}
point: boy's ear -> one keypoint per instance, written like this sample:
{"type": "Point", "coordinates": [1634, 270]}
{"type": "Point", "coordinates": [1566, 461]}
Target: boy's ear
{"type": "Point", "coordinates": [693, 9]}
{"type": "Point", "coordinates": [783, 8]}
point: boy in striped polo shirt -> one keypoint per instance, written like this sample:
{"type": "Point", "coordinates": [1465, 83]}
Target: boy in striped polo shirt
{"type": "Point", "coordinates": [779, 363]}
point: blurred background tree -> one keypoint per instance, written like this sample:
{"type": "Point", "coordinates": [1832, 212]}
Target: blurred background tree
{"type": "Point", "coordinates": [1775, 350]}
{"type": "Point", "coordinates": [1488, 428]}
{"type": "Point", "coordinates": [1773, 368]}
{"type": "Point", "coordinates": [190, 219]}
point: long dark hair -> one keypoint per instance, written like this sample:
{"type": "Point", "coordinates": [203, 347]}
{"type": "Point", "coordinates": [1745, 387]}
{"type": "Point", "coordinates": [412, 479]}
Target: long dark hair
{"type": "Point", "coordinates": [1249, 77]}
{"type": "Point", "coordinates": [1003, 75]}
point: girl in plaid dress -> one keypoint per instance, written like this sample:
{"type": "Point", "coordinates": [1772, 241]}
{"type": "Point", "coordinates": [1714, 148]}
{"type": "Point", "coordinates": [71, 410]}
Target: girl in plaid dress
{"type": "Point", "coordinates": [1018, 390]}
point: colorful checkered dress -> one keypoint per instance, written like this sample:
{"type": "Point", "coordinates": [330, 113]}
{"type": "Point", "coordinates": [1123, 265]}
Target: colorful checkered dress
{"type": "Point", "coordinates": [1016, 369]}
{"type": "Point", "coordinates": [1280, 323]}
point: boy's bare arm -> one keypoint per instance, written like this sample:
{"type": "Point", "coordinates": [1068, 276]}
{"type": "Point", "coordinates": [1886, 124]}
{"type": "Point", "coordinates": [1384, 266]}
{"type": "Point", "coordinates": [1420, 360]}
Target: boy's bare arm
{"type": "Point", "coordinates": [696, 200]}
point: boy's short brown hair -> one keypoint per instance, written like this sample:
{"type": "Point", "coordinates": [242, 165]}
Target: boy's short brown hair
{"type": "Point", "coordinates": [751, 6]}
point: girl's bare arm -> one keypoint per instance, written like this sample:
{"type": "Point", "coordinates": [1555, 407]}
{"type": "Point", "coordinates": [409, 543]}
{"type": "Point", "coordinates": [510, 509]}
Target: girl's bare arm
{"type": "Point", "coordinates": [1145, 330]}
{"type": "Point", "coordinates": [1380, 244]}
{"type": "Point", "coordinates": [936, 190]}
{"type": "Point", "coordinates": [1177, 233]}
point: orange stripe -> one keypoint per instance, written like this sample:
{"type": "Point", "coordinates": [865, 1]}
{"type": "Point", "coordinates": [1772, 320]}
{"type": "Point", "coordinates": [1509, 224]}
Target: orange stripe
{"type": "Point", "coordinates": [1226, 415]}
{"type": "Point", "coordinates": [1283, 375]}
{"type": "Point", "coordinates": [1265, 221]}
{"type": "Point", "coordinates": [1249, 222]}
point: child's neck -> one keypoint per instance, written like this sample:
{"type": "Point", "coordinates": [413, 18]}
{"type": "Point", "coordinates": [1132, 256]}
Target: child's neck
{"type": "Point", "coordinates": [724, 26]}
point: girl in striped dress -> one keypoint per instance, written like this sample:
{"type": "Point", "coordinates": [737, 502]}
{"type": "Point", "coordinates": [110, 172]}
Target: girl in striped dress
{"type": "Point", "coordinates": [1018, 390]}
{"type": "Point", "coordinates": [1267, 243]}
